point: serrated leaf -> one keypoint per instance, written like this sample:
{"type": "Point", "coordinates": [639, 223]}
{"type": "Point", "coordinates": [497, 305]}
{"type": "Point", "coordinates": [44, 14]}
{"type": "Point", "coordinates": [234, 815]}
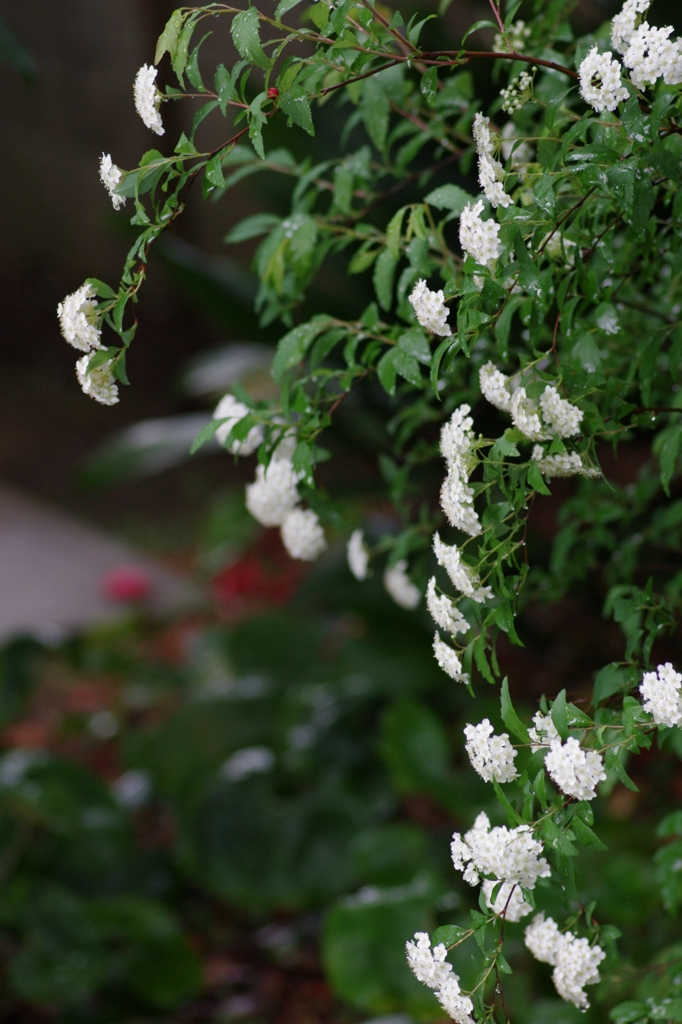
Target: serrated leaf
{"type": "Point", "coordinates": [246, 37]}
{"type": "Point", "coordinates": [429, 85]}
{"type": "Point", "coordinates": [394, 233]}
{"type": "Point", "coordinates": [449, 197]}
{"type": "Point", "coordinates": [544, 194]}
{"type": "Point", "coordinates": [535, 479]}
{"type": "Point", "coordinates": [559, 715]}
{"type": "Point", "coordinates": [293, 346]}
{"type": "Point", "coordinates": [415, 343]}
{"type": "Point", "coordinates": [448, 935]}
{"type": "Point", "coordinates": [168, 40]}
{"type": "Point", "coordinates": [296, 105]}
{"type": "Point", "coordinates": [384, 273]}
{"type": "Point", "coordinates": [386, 371]}
{"type": "Point", "coordinates": [376, 110]}
{"type": "Point", "coordinates": [214, 171]}
{"type": "Point", "coordinates": [585, 835]}
{"type": "Point", "coordinates": [509, 716]}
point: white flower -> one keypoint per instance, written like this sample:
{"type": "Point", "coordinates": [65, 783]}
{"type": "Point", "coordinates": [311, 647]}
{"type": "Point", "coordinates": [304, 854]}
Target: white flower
{"type": "Point", "coordinates": [575, 962]}
{"type": "Point", "coordinates": [600, 82]}
{"type": "Point", "coordinates": [400, 586]}
{"type": "Point", "coordinates": [148, 98]}
{"type": "Point", "coordinates": [543, 939]}
{"type": "Point", "coordinates": [110, 175]}
{"type": "Point", "coordinates": [522, 153]}
{"type": "Point", "coordinates": [513, 906]}
{"type": "Point", "coordinates": [651, 54]}
{"type": "Point", "coordinates": [544, 732]}
{"type": "Point", "coordinates": [562, 464]}
{"type": "Point", "coordinates": [358, 555]}
{"type": "Point", "coordinates": [429, 309]}
{"type": "Point", "coordinates": [624, 24]}
{"type": "Point", "coordinates": [517, 93]}
{"type": "Point", "coordinates": [273, 494]}
{"type": "Point", "coordinates": [456, 1005]}
{"type": "Point", "coordinates": [444, 612]}
{"type": "Point", "coordinates": [525, 416]}
{"type": "Point", "coordinates": [428, 966]}
{"type": "Point", "coordinates": [463, 578]}
{"type": "Point", "coordinates": [562, 418]}
{"type": "Point", "coordinates": [508, 855]}
{"type": "Point", "coordinates": [516, 34]}
{"type": "Point", "coordinates": [448, 660]}
{"type": "Point", "coordinates": [302, 534]}
{"type": "Point", "coordinates": [491, 756]}
{"type": "Point", "coordinates": [490, 170]}
{"type": "Point", "coordinates": [98, 383]}
{"type": "Point", "coordinates": [477, 237]}
{"type": "Point", "coordinates": [232, 411]}
{"type": "Point", "coordinates": [78, 319]}
{"type": "Point", "coordinates": [457, 497]}
{"type": "Point", "coordinates": [575, 771]}
{"type": "Point", "coordinates": [576, 966]}
{"type": "Point", "coordinates": [661, 693]}
{"type": "Point", "coordinates": [494, 387]}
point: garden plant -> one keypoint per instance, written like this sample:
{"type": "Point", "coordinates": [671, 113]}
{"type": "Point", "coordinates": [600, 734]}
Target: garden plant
{"type": "Point", "coordinates": [517, 208]}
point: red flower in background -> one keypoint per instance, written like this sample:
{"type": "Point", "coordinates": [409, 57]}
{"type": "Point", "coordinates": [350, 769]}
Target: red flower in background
{"type": "Point", "coordinates": [265, 574]}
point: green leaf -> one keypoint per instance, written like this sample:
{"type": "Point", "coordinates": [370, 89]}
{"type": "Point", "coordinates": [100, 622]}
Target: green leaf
{"type": "Point", "coordinates": [449, 197]}
{"type": "Point", "coordinates": [293, 346]}
{"type": "Point", "coordinates": [296, 105]}
{"type": "Point", "coordinates": [226, 83]}
{"type": "Point", "coordinates": [386, 371]}
{"type": "Point", "coordinates": [630, 1013]}
{"type": "Point", "coordinates": [13, 53]}
{"type": "Point", "coordinates": [609, 680]}
{"type": "Point", "coordinates": [415, 343]}
{"type": "Point", "coordinates": [384, 273]}
{"type": "Point", "coordinates": [246, 37]}
{"type": "Point", "coordinates": [445, 346]}
{"type": "Point", "coordinates": [375, 109]}
{"type": "Point", "coordinates": [475, 27]}
{"type": "Point", "coordinates": [448, 935]}
{"type": "Point", "coordinates": [544, 194]}
{"type": "Point", "coordinates": [214, 171]}
{"type": "Point", "coordinates": [101, 288]}
{"type": "Point", "coordinates": [204, 435]}
{"type": "Point", "coordinates": [503, 448]}
{"type": "Point", "coordinates": [394, 233]}
{"type": "Point", "coordinates": [535, 479]}
{"type": "Point", "coordinates": [407, 366]}
{"type": "Point", "coordinates": [168, 40]}
{"type": "Point", "coordinates": [585, 835]}
{"type": "Point", "coordinates": [284, 6]}
{"type": "Point", "coordinates": [559, 715]}
{"type": "Point", "coordinates": [668, 455]}
{"type": "Point", "coordinates": [251, 227]}
{"type": "Point", "coordinates": [509, 716]}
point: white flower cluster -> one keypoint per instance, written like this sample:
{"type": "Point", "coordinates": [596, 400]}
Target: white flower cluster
{"type": "Point", "coordinates": [661, 693]}
{"type": "Point", "coordinates": [431, 968]}
{"type": "Point", "coordinates": [563, 464]}
{"type": "Point", "coordinates": [559, 418]}
{"type": "Point", "coordinates": [508, 855]}
{"type": "Point", "coordinates": [98, 383]}
{"type": "Point", "coordinates": [456, 497]}
{"type": "Point", "coordinates": [358, 555]}
{"type": "Point", "coordinates": [490, 755]}
{"type": "Point", "coordinates": [600, 81]}
{"type": "Point", "coordinates": [273, 498]}
{"type": "Point", "coordinates": [399, 585]}
{"type": "Point", "coordinates": [562, 418]}
{"type": "Point", "coordinates": [479, 238]}
{"type": "Point", "coordinates": [110, 175]}
{"type": "Point", "coordinates": [449, 660]}
{"type": "Point", "coordinates": [575, 771]}
{"type": "Point", "coordinates": [509, 902]}
{"type": "Point", "coordinates": [232, 411]}
{"type": "Point", "coordinates": [652, 55]}
{"type": "Point", "coordinates": [544, 732]}
{"type": "Point", "coordinates": [78, 319]}
{"type": "Point", "coordinates": [429, 309]}
{"type": "Point", "coordinates": [444, 611]}
{"type": "Point", "coordinates": [148, 98]}
{"type": "Point", "coordinates": [575, 962]}
{"type": "Point", "coordinates": [79, 322]}
{"type": "Point", "coordinates": [461, 575]}
{"type": "Point", "coordinates": [490, 170]}
{"type": "Point", "coordinates": [624, 24]}
{"type": "Point", "coordinates": [493, 385]}
{"type": "Point", "coordinates": [516, 34]}
{"type": "Point", "coordinates": [517, 93]}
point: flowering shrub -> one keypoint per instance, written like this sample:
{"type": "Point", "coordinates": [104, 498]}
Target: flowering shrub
{"type": "Point", "coordinates": [550, 317]}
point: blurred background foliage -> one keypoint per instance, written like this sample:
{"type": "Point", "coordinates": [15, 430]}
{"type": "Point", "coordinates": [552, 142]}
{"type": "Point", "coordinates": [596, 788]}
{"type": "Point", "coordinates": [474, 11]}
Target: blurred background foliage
{"type": "Point", "coordinates": [240, 814]}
